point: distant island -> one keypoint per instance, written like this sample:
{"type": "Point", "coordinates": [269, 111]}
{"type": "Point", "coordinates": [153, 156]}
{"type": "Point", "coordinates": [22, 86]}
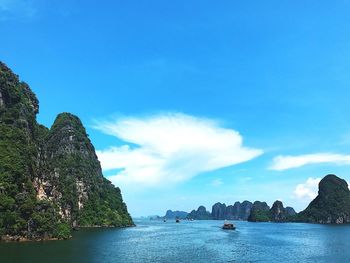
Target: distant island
{"type": "Point", "coordinates": [331, 206]}
{"type": "Point", "coordinates": [255, 212]}
{"type": "Point", "coordinates": [50, 179]}
{"type": "Point", "coordinates": [175, 214]}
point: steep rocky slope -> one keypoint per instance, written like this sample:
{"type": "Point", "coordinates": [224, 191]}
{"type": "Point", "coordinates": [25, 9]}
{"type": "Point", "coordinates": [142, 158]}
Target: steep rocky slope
{"type": "Point", "coordinates": [175, 214]}
{"type": "Point", "coordinates": [260, 212]}
{"type": "Point", "coordinates": [280, 214]}
{"type": "Point", "coordinates": [200, 214]}
{"type": "Point", "coordinates": [50, 180]}
{"type": "Point", "coordinates": [238, 211]}
{"type": "Point", "coordinates": [331, 206]}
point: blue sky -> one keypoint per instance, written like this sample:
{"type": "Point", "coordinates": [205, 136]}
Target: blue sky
{"type": "Point", "coordinates": [168, 89]}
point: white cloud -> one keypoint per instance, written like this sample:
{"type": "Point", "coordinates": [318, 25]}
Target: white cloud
{"type": "Point", "coordinates": [281, 163]}
{"type": "Point", "coordinates": [170, 148]}
{"type": "Point", "coordinates": [308, 190]}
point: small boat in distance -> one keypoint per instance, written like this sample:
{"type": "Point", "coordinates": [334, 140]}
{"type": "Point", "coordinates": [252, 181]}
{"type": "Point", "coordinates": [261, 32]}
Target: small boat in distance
{"type": "Point", "coordinates": [177, 220]}
{"type": "Point", "coordinates": [228, 226]}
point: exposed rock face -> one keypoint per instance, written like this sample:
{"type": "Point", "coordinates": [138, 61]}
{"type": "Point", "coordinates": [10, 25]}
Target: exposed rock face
{"type": "Point", "coordinates": [175, 214]}
{"type": "Point", "coordinates": [244, 210]}
{"type": "Point", "coordinates": [290, 211]}
{"type": "Point", "coordinates": [83, 191]}
{"type": "Point", "coordinates": [239, 211]}
{"type": "Point", "coordinates": [260, 212]}
{"type": "Point", "coordinates": [219, 211]}
{"type": "Point", "coordinates": [230, 212]}
{"type": "Point", "coordinates": [200, 214]}
{"type": "Point", "coordinates": [331, 206]}
{"type": "Point", "coordinates": [280, 214]}
{"type": "Point", "coordinates": [50, 180]}
{"type": "Point", "coordinates": [257, 212]}
{"type": "Point", "coordinates": [1, 100]}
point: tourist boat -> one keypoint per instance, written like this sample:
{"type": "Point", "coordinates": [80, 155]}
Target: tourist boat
{"type": "Point", "coordinates": [177, 220]}
{"type": "Point", "coordinates": [228, 226]}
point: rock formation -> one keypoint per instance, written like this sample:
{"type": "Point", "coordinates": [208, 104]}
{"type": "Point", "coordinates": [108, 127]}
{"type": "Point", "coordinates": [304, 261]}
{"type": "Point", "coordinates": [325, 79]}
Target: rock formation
{"type": "Point", "coordinates": [175, 214]}
{"type": "Point", "coordinates": [331, 206]}
{"type": "Point", "coordinates": [290, 211]}
{"type": "Point", "coordinates": [219, 211]}
{"type": "Point", "coordinates": [280, 214]}
{"type": "Point", "coordinates": [243, 210]}
{"type": "Point", "coordinates": [200, 214]}
{"type": "Point", "coordinates": [260, 212]}
{"type": "Point", "coordinates": [238, 211]}
{"type": "Point", "coordinates": [50, 179]}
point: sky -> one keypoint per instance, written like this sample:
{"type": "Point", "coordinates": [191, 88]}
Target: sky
{"type": "Point", "coordinates": [191, 103]}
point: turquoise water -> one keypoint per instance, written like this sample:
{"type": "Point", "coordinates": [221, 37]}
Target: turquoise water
{"type": "Point", "coordinates": [196, 241]}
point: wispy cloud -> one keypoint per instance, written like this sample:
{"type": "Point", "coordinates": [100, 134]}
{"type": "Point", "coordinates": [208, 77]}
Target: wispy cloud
{"type": "Point", "coordinates": [170, 148]}
{"type": "Point", "coordinates": [10, 9]}
{"type": "Point", "coordinates": [282, 162]}
{"type": "Point", "coordinates": [308, 190]}
{"type": "Point", "coordinates": [217, 182]}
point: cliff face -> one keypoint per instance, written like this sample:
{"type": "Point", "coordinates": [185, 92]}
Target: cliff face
{"type": "Point", "coordinates": [331, 206]}
{"type": "Point", "coordinates": [244, 210]}
{"type": "Point", "coordinates": [280, 214]}
{"type": "Point", "coordinates": [50, 180]}
{"type": "Point", "coordinates": [200, 214]}
{"type": "Point", "coordinates": [260, 212]}
{"type": "Point", "coordinates": [239, 211]}
{"type": "Point", "coordinates": [290, 211]}
{"type": "Point", "coordinates": [175, 214]}
{"type": "Point", "coordinates": [218, 211]}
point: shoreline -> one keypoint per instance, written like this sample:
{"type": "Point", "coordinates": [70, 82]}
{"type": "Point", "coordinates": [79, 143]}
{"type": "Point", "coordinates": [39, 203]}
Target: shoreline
{"type": "Point", "coordinates": [21, 239]}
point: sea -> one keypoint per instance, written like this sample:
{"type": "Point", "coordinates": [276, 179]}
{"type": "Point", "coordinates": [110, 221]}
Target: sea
{"type": "Point", "coordinates": [191, 241]}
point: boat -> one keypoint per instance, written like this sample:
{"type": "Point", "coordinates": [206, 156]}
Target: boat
{"type": "Point", "coordinates": [228, 226]}
{"type": "Point", "coordinates": [177, 220]}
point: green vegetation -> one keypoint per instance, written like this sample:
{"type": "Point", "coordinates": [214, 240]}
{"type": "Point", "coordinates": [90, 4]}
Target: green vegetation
{"type": "Point", "coordinates": [331, 206]}
{"type": "Point", "coordinates": [73, 157]}
{"type": "Point", "coordinates": [259, 216]}
{"type": "Point", "coordinates": [50, 180]}
{"type": "Point", "coordinates": [62, 231]}
{"type": "Point", "coordinates": [200, 214]}
{"type": "Point", "coordinates": [260, 212]}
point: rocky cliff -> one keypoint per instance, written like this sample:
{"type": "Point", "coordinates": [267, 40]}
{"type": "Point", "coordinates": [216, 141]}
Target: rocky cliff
{"type": "Point", "coordinates": [175, 214]}
{"type": "Point", "coordinates": [331, 206]}
{"type": "Point", "coordinates": [243, 210]}
{"type": "Point", "coordinates": [290, 211]}
{"type": "Point", "coordinates": [238, 211]}
{"type": "Point", "coordinates": [280, 214]}
{"type": "Point", "coordinates": [218, 211]}
{"type": "Point", "coordinates": [200, 214]}
{"type": "Point", "coordinates": [50, 179]}
{"type": "Point", "coordinates": [260, 212]}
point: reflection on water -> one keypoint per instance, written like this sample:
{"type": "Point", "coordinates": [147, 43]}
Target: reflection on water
{"type": "Point", "coordinates": [196, 241]}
